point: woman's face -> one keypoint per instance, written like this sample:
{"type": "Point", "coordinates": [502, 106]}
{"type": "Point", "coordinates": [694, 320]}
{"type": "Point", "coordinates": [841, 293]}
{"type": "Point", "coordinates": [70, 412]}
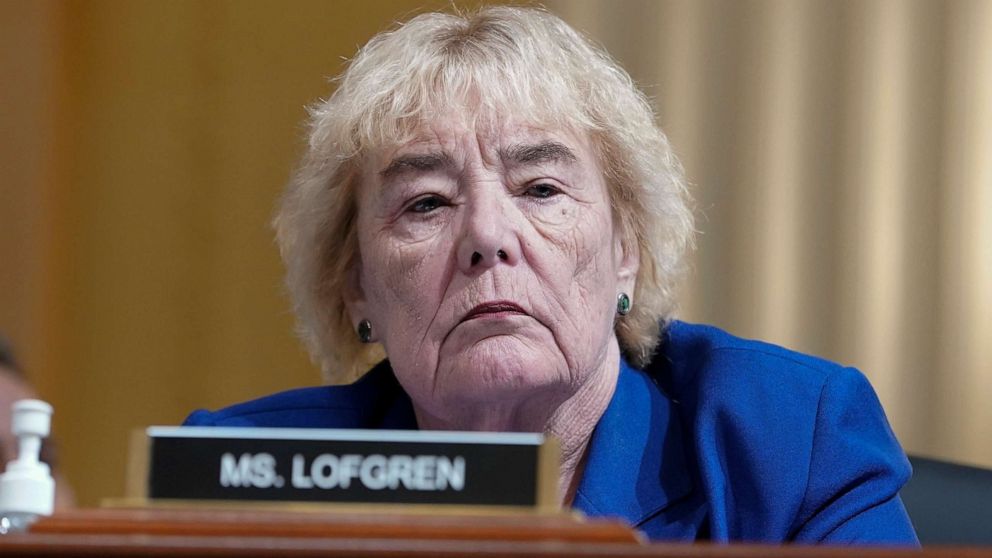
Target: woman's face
{"type": "Point", "coordinates": [490, 267]}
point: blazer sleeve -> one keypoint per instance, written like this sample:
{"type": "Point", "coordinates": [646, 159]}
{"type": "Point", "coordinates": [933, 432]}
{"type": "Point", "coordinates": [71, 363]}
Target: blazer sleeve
{"type": "Point", "coordinates": [856, 470]}
{"type": "Point", "coordinates": [200, 417]}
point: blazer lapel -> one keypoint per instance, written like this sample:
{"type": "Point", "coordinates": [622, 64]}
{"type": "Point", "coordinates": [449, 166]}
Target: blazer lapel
{"type": "Point", "coordinates": [635, 467]}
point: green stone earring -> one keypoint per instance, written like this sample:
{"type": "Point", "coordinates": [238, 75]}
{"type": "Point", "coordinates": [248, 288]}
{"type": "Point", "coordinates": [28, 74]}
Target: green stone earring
{"type": "Point", "coordinates": [623, 304]}
{"type": "Point", "coordinates": [365, 331]}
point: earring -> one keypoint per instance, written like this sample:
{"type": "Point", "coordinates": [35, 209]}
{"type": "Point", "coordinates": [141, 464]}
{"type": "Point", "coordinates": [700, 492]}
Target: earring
{"type": "Point", "coordinates": [623, 304]}
{"type": "Point", "coordinates": [365, 331]}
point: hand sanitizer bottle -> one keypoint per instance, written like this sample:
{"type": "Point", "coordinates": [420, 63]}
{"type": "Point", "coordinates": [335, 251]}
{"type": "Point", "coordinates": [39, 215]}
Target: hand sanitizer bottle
{"type": "Point", "coordinates": [27, 489]}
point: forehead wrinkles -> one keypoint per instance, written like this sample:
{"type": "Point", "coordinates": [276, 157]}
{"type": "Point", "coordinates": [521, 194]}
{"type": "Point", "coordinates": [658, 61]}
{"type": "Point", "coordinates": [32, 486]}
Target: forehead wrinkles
{"type": "Point", "coordinates": [487, 121]}
{"type": "Point", "coordinates": [452, 144]}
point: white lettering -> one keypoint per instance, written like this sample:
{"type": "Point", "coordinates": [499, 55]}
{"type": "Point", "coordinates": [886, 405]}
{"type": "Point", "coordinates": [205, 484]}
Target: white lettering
{"type": "Point", "coordinates": [373, 472]}
{"type": "Point", "coordinates": [423, 472]}
{"type": "Point", "coordinates": [258, 470]}
{"type": "Point", "coordinates": [235, 472]}
{"type": "Point", "coordinates": [328, 471]}
{"type": "Point", "coordinates": [322, 479]}
{"type": "Point", "coordinates": [450, 474]}
{"type": "Point", "coordinates": [263, 470]}
{"type": "Point", "coordinates": [400, 471]}
{"type": "Point", "coordinates": [349, 469]}
{"type": "Point", "coordinates": [300, 478]}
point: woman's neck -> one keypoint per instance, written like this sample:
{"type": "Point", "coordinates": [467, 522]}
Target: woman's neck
{"type": "Point", "coordinates": [575, 419]}
{"type": "Point", "coordinates": [569, 417]}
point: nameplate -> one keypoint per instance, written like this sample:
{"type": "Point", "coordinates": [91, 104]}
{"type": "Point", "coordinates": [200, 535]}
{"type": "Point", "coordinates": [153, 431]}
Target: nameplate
{"type": "Point", "coordinates": [351, 467]}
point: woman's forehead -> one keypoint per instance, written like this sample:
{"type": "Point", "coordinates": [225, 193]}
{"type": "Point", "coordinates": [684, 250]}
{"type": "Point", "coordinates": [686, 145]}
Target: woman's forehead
{"type": "Point", "coordinates": [507, 136]}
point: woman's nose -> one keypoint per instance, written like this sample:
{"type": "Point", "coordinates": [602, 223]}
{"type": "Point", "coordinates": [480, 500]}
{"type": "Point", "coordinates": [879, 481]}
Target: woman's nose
{"type": "Point", "coordinates": [488, 238]}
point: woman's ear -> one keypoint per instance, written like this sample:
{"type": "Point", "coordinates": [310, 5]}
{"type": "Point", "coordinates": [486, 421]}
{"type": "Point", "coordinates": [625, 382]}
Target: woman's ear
{"type": "Point", "coordinates": [354, 296]}
{"type": "Point", "coordinates": [628, 262]}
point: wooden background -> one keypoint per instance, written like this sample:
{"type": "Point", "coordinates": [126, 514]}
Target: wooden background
{"type": "Point", "coordinates": [836, 148]}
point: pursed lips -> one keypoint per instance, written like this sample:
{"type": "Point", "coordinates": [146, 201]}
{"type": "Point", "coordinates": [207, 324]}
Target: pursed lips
{"type": "Point", "coordinates": [495, 309]}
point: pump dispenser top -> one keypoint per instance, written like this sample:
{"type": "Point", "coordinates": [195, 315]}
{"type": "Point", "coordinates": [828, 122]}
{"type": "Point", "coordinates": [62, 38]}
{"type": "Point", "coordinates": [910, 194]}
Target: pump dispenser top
{"type": "Point", "coordinates": [27, 489]}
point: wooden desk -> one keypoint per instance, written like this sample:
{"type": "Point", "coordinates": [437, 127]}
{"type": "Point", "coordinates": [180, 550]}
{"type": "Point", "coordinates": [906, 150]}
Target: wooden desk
{"type": "Point", "coordinates": [219, 533]}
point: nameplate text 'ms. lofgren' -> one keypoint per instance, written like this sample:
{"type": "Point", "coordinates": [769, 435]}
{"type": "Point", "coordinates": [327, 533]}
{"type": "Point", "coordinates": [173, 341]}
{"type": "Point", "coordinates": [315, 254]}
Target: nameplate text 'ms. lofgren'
{"type": "Point", "coordinates": [350, 466]}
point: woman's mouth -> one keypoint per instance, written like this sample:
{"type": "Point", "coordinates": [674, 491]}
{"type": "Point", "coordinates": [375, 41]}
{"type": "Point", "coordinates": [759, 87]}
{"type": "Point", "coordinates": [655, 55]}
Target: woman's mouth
{"type": "Point", "coordinates": [495, 309]}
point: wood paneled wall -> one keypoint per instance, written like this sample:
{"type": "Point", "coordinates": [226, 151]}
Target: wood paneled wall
{"type": "Point", "coordinates": [840, 156]}
{"type": "Point", "coordinates": [839, 153]}
{"type": "Point", "coordinates": [145, 145]}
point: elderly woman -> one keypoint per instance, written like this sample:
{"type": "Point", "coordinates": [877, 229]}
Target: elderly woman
{"type": "Point", "coordinates": [487, 201]}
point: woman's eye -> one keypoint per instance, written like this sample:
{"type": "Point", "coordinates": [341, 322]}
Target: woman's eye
{"type": "Point", "coordinates": [542, 191]}
{"type": "Point", "coordinates": [426, 204]}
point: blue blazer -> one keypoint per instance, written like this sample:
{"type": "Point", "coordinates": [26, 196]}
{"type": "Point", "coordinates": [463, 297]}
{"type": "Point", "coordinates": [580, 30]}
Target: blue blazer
{"type": "Point", "coordinates": [719, 438]}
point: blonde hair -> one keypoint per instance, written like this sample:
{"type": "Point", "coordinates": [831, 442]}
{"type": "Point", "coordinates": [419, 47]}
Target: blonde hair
{"type": "Point", "coordinates": [498, 59]}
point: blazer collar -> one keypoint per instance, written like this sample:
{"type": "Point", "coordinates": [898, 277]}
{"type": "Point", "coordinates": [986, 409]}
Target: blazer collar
{"type": "Point", "coordinates": [635, 465]}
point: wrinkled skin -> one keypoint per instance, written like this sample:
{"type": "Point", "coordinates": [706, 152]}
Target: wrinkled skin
{"type": "Point", "coordinates": [468, 214]}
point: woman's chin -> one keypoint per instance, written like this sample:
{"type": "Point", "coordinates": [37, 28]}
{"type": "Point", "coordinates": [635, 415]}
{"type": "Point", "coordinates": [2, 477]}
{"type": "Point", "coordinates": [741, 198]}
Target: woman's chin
{"type": "Point", "coordinates": [501, 368]}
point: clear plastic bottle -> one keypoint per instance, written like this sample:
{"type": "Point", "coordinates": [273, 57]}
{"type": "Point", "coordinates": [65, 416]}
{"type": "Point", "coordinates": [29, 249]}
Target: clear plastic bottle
{"type": "Point", "coordinates": [15, 522]}
{"type": "Point", "coordinates": [27, 490]}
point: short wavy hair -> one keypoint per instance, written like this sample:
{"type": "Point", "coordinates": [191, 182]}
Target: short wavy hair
{"type": "Point", "coordinates": [497, 60]}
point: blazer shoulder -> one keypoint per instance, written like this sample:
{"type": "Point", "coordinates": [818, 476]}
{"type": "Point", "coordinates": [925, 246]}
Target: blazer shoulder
{"type": "Point", "coordinates": [707, 361]}
{"type": "Point", "coordinates": [762, 392]}
{"type": "Point", "coordinates": [789, 446]}
{"type": "Point", "coordinates": [361, 404]}
{"type": "Point", "coordinates": [278, 409]}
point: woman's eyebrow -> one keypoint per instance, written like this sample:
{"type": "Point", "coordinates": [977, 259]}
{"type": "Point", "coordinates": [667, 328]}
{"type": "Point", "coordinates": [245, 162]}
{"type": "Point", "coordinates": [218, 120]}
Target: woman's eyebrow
{"type": "Point", "coordinates": [543, 152]}
{"type": "Point", "coordinates": [420, 162]}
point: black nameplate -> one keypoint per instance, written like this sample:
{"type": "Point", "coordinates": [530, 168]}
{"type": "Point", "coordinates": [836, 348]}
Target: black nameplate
{"type": "Point", "coordinates": [351, 466]}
